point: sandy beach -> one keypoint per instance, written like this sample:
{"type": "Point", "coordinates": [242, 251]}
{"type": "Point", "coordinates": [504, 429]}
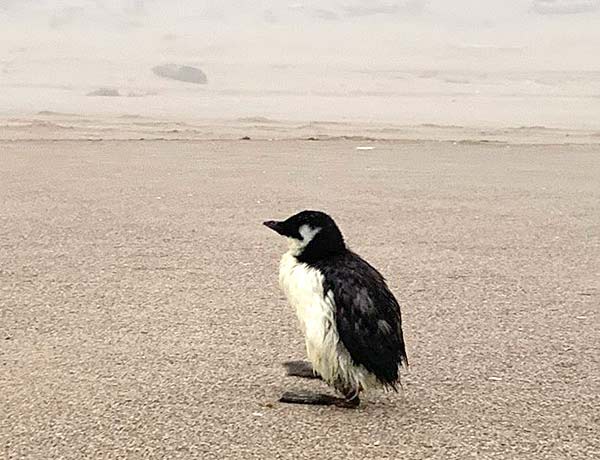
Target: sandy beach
{"type": "Point", "coordinates": [142, 145]}
{"type": "Point", "coordinates": [141, 317]}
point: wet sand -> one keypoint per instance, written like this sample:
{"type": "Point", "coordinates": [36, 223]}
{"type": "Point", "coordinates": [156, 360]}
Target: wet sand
{"type": "Point", "coordinates": [141, 317]}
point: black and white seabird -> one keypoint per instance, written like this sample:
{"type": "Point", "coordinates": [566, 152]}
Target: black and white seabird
{"type": "Point", "coordinates": [350, 318]}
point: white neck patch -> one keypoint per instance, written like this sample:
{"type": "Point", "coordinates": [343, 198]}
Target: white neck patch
{"type": "Point", "coordinates": [308, 233]}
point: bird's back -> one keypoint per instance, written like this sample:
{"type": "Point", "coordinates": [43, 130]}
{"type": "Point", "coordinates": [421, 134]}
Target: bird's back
{"type": "Point", "coordinates": [367, 315]}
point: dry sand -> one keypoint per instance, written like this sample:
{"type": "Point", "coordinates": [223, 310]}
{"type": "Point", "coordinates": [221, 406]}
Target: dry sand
{"type": "Point", "coordinates": [141, 317]}
{"type": "Point", "coordinates": [139, 310]}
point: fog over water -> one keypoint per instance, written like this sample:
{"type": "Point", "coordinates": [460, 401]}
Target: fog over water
{"type": "Point", "coordinates": [512, 63]}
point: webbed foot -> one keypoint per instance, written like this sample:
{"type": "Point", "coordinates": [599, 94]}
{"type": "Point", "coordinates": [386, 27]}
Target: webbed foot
{"type": "Point", "coordinates": [302, 369]}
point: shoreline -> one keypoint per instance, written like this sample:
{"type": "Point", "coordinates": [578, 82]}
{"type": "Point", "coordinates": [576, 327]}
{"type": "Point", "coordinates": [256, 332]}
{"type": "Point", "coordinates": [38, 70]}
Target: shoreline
{"type": "Point", "coordinates": [55, 126]}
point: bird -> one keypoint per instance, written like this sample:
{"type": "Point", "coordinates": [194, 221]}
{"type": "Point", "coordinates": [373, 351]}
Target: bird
{"type": "Point", "coordinates": [350, 319]}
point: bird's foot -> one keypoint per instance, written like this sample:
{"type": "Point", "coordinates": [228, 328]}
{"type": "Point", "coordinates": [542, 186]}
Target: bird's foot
{"type": "Point", "coordinates": [319, 399]}
{"type": "Point", "coordinates": [301, 369]}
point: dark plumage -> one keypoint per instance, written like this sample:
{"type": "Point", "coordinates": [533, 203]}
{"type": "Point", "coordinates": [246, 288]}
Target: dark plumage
{"type": "Point", "coordinates": [367, 314]}
{"type": "Point", "coordinates": [351, 319]}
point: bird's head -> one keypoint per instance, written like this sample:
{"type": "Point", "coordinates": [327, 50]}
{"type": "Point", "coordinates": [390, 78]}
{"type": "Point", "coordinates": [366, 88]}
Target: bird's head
{"type": "Point", "coordinates": [312, 235]}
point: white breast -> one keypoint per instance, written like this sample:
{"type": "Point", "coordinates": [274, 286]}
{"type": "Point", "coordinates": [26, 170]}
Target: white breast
{"type": "Point", "coordinates": [303, 287]}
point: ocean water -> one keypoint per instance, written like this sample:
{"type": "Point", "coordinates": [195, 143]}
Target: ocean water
{"type": "Point", "coordinates": [509, 64]}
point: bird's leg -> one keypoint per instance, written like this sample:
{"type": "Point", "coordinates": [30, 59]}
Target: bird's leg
{"type": "Point", "coordinates": [351, 400]}
{"type": "Point", "coordinates": [319, 399]}
{"type": "Point", "coordinates": [305, 369]}
{"type": "Point", "coordinates": [351, 394]}
{"type": "Point", "coordinates": [302, 369]}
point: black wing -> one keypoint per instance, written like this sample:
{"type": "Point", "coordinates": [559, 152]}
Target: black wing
{"type": "Point", "coordinates": [368, 316]}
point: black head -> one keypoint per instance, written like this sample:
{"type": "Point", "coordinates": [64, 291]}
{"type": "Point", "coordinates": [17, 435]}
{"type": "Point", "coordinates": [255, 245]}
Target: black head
{"type": "Point", "coordinates": [313, 235]}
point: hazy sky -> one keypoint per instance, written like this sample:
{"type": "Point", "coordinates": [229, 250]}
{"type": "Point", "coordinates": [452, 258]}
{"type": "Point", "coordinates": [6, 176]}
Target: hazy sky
{"type": "Point", "coordinates": [550, 34]}
{"type": "Point", "coordinates": [274, 10]}
{"type": "Point", "coordinates": [129, 14]}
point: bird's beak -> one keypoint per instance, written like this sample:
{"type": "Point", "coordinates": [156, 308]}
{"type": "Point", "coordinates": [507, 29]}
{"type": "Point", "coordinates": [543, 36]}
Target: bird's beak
{"type": "Point", "coordinates": [274, 225]}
